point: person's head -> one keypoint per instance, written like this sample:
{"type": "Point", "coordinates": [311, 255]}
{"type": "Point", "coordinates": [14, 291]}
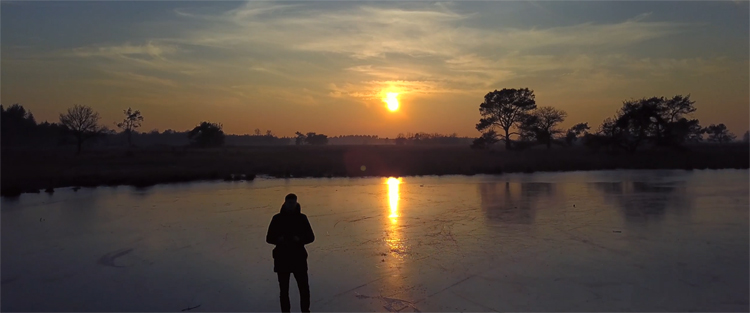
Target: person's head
{"type": "Point", "coordinates": [290, 205]}
{"type": "Point", "coordinates": [290, 198]}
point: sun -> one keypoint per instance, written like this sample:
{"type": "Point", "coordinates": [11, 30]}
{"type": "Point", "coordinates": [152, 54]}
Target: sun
{"type": "Point", "coordinates": [391, 101]}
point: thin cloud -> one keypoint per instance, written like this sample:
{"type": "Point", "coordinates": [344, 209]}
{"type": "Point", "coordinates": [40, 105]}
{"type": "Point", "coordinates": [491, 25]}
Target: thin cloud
{"type": "Point", "coordinates": [361, 50]}
{"type": "Point", "coordinates": [125, 50]}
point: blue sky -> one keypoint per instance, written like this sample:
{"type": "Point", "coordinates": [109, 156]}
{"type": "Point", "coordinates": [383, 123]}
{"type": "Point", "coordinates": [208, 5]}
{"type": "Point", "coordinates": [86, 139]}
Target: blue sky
{"type": "Point", "coordinates": [325, 66]}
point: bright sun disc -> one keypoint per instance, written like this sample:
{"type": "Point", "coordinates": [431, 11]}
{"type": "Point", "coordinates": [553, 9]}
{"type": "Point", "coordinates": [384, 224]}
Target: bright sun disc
{"type": "Point", "coordinates": [391, 100]}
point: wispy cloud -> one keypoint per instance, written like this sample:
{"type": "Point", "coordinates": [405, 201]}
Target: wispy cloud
{"type": "Point", "coordinates": [126, 50]}
{"type": "Point", "coordinates": [429, 45]}
{"type": "Point", "coordinates": [144, 79]}
{"type": "Point", "coordinates": [421, 49]}
{"type": "Point", "coordinates": [318, 53]}
{"type": "Point", "coordinates": [366, 32]}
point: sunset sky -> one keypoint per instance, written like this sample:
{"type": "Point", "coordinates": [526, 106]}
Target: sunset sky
{"type": "Point", "coordinates": [327, 66]}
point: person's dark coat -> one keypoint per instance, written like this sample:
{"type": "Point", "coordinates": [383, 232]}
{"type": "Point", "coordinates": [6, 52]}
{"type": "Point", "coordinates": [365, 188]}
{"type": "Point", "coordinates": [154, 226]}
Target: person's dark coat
{"type": "Point", "coordinates": [290, 255]}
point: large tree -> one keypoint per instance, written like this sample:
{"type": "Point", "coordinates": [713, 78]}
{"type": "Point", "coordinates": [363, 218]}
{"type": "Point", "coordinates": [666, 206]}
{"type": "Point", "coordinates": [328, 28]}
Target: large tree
{"type": "Point", "coordinates": [670, 118]}
{"type": "Point", "coordinates": [131, 121]}
{"type": "Point", "coordinates": [207, 135]}
{"type": "Point", "coordinates": [719, 133]}
{"type": "Point", "coordinates": [505, 109]}
{"type": "Point", "coordinates": [638, 121]}
{"type": "Point", "coordinates": [658, 120]}
{"type": "Point", "coordinates": [82, 122]}
{"type": "Point", "coordinates": [541, 124]}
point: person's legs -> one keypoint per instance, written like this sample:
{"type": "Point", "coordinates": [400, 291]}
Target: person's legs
{"type": "Point", "coordinates": [304, 290]}
{"type": "Point", "coordinates": [284, 287]}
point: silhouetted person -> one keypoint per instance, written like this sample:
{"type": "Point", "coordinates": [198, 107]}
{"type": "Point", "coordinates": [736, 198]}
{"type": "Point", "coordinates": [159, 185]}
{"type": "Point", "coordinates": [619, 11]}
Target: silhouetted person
{"type": "Point", "coordinates": [290, 231]}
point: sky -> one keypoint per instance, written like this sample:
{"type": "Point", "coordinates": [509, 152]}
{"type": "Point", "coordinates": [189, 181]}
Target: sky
{"type": "Point", "coordinates": [326, 67]}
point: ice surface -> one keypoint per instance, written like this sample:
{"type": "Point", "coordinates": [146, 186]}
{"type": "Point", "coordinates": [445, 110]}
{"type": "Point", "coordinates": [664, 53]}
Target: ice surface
{"type": "Point", "coordinates": [580, 241]}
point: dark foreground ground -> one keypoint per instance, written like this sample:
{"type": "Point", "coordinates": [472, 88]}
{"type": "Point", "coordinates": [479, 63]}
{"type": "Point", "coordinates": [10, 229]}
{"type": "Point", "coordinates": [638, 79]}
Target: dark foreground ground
{"type": "Point", "coordinates": [34, 170]}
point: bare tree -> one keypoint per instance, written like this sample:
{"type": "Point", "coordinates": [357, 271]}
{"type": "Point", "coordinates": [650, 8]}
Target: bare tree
{"type": "Point", "coordinates": [82, 122]}
{"type": "Point", "coordinates": [131, 121]}
{"type": "Point", "coordinates": [540, 124]}
{"type": "Point", "coordinates": [505, 109]}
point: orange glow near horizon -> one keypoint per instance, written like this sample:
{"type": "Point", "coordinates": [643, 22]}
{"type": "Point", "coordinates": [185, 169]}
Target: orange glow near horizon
{"type": "Point", "coordinates": [253, 67]}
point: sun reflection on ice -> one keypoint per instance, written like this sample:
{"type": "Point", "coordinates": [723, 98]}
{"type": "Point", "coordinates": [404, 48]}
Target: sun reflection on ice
{"type": "Point", "coordinates": [393, 197]}
{"type": "Point", "coordinates": [393, 238]}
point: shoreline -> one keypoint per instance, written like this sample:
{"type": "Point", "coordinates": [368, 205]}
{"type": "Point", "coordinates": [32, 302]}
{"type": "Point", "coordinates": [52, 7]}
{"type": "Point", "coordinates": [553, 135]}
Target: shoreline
{"type": "Point", "coordinates": [266, 177]}
{"type": "Point", "coordinates": [43, 170]}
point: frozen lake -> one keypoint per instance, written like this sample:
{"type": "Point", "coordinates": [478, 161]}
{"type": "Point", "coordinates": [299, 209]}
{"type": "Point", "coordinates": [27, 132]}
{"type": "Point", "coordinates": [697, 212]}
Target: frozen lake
{"type": "Point", "coordinates": [577, 241]}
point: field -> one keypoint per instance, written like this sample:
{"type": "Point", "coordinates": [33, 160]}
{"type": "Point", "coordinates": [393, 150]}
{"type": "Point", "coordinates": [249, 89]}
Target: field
{"type": "Point", "coordinates": [30, 170]}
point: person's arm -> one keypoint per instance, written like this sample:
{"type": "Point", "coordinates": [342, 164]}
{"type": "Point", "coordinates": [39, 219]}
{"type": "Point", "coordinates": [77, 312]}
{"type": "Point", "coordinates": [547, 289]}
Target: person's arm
{"type": "Point", "coordinates": [307, 233]}
{"type": "Point", "coordinates": [273, 236]}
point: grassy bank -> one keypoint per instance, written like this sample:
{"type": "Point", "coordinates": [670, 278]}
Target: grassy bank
{"type": "Point", "coordinates": [26, 170]}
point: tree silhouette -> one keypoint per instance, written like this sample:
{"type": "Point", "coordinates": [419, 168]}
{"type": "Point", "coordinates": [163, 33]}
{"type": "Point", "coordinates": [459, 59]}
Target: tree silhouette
{"type": "Point", "coordinates": [674, 128]}
{"type": "Point", "coordinates": [82, 122]}
{"type": "Point", "coordinates": [316, 139]}
{"type": "Point", "coordinates": [400, 139]}
{"type": "Point", "coordinates": [485, 141]}
{"type": "Point", "coordinates": [207, 135]}
{"type": "Point", "coordinates": [16, 124]}
{"type": "Point", "coordinates": [311, 139]}
{"type": "Point", "coordinates": [746, 137]}
{"type": "Point", "coordinates": [637, 118]}
{"type": "Point", "coordinates": [683, 130]}
{"type": "Point", "coordinates": [673, 109]}
{"type": "Point", "coordinates": [131, 121]}
{"type": "Point", "coordinates": [576, 131]}
{"type": "Point", "coordinates": [540, 124]}
{"type": "Point", "coordinates": [505, 109]}
{"type": "Point", "coordinates": [719, 133]}
{"type": "Point", "coordinates": [657, 119]}
{"type": "Point", "coordinates": [300, 139]}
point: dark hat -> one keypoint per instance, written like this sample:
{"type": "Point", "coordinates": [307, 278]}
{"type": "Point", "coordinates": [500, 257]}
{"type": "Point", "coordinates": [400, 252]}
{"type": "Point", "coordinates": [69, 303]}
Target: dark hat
{"type": "Point", "coordinates": [290, 196]}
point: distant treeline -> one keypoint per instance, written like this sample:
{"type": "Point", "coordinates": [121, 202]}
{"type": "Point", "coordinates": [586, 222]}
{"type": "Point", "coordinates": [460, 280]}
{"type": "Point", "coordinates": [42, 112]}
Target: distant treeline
{"type": "Point", "coordinates": [431, 139]}
{"type": "Point", "coordinates": [508, 115]}
{"type": "Point", "coordinates": [80, 125]}
{"type": "Point", "coordinates": [419, 138]}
